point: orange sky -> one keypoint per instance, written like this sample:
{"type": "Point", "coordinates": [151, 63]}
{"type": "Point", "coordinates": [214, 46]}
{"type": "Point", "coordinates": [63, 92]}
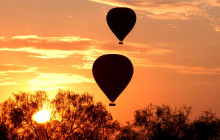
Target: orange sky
{"type": "Point", "coordinates": [174, 47]}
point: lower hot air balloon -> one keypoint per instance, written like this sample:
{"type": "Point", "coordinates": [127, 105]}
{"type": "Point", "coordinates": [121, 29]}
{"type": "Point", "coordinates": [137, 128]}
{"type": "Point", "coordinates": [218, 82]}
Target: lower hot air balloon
{"type": "Point", "coordinates": [112, 72]}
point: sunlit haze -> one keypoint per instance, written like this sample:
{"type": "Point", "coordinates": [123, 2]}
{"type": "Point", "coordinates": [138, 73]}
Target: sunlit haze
{"type": "Point", "coordinates": [42, 116]}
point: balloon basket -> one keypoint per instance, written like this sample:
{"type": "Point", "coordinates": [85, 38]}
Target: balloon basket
{"type": "Point", "coordinates": [112, 104]}
{"type": "Point", "coordinates": [120, 43]}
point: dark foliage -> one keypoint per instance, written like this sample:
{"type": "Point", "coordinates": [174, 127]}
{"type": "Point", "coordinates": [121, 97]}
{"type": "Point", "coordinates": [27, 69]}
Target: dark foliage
{"type": "Point", "coordinates": [73, 116]}
{"type": "Point", "coordinates": [3, 132]}
{"type": "Point", "coordinates": [76, 116]}
{"type": "Point", "coordinates": [161, 122]}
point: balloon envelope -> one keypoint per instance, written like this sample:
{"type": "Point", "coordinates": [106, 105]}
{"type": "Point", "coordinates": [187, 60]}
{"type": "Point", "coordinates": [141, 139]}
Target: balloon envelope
{"type": "Point", "coordinates": [121, 20]}
{"type": "Point", "coordinates": [112, 73]}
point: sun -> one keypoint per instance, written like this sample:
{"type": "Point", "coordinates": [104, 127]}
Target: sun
{"type": "Point", "coordinates": [42, 116]}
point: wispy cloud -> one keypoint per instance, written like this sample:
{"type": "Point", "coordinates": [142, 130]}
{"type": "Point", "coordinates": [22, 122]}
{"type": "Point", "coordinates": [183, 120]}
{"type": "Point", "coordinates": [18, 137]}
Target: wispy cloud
{"type": "Point", "coordinates": [58, 43]}
{"type": "Point", "coordinates": [157, 9]}
{"type": "Point", "coordinates": [85, 66]}
{"type": "Point", "coordinates": [22, 70]}
{"type": "Point", "coordinates": [158, 51]}
{"type": "Point", "coordinates": [182, 69]}
{"type": "Point", "coordinates": [52, 39]}
{"type": "Point", "coordinates": [2, 38]}
{"type": "Point", "coordinates": [43, 53]}
{"type": "Point", "coordinates": [215, 3]}
{"type": "Point", "coordinates": [12, 75]}
{"type": "Point", "coordinates": [137, 52]}
{"type": "Point", "coordinates": [172, 9]}
{"type": "Point", "coordinates": [9, 83]}
{"type": "Point", "coordinates": [12, 67]}
{"type": "Point", "coordinates": [54, 81]}
{"type": "Point", "coordinates": [69, 46]}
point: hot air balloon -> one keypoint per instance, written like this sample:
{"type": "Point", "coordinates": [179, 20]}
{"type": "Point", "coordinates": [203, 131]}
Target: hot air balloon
{"type": "Point", "coordinates": [121, 20]}
{"type": "Point", "coordinates": [112, 72]}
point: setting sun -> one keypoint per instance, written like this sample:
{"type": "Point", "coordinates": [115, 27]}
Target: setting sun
{"type": "Point", "coordinates": [42, 116]}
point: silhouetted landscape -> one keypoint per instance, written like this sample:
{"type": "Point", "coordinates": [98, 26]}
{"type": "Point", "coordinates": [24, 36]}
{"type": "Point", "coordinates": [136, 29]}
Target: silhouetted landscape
{"type": "Point", "coordinates": [77, 116]}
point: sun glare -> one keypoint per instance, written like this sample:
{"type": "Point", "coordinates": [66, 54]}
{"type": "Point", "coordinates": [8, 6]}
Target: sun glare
{"type": "Point", "coordinates": [42, 116]}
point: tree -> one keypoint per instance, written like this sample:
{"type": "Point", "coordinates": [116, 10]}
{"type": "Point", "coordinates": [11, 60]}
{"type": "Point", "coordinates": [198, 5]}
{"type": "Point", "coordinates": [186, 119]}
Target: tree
{"type": "Point", "coordinates": [161, 122]}
{"type": "Point", "coordinates": [207, 126]}
{"type": "Point", "coordinates": [3, 132]}
{"type": "Point", "coordinates": [81, 118]}
{"type": "Point", "coordinates": [73, 116]}
{"type": "Point", "coordinates": [128, 132]}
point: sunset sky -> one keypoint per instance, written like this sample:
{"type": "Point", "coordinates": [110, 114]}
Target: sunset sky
{"type": "Point", "coordinates": [174, 47]}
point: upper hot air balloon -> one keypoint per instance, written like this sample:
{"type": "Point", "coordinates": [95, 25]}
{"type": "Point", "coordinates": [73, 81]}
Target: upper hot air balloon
{"type": "Point", "coordinates": [112, 72]}
{"type": "Point", "coordinates": [121, 20]}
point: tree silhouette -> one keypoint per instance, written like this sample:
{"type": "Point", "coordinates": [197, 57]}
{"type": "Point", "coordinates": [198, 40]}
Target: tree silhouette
{"type": "Point", "coordinates": [3, 132]}
{"type": "Point", "coordinates": [161, 122]}
{"type": "Point", "coordinates": [73, 116]}
{"type": "Point", "coordinates": [207, 126]}
{"type": "Point", "coordinates": [77, 116]}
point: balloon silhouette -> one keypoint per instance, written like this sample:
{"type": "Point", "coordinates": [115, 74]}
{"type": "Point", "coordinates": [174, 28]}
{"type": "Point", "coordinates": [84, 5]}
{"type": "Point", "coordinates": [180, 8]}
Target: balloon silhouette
{"type": "Point", "coordinates": [112, 72]}
{"type": "Point", "coordinates": [121, 20]}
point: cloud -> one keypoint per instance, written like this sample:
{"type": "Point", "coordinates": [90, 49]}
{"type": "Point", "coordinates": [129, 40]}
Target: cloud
{"type": "Point", "coordinates": [159, 9]}
{"type": "Point", "coordinates": [63, 47]}
{"type": "Point", "coordinates": [10, 74]}
{"type": "Point", "coordinates": [158, 51]}
{"type": "Point", "coordinates": [137, 52]}
{"type": "Point", "coordinates": [43, 53]}
{"type": "Point", "coordinates": [2, 38]}
{"type": "Point", "coordinates": [7, 67]}
{"type": "Point", "coordinates": [23, 69]}
{"type": "Point", "coordinates": [59, 43]}
{"type": "Point", "coordinates": [85, 66]}
{"type": "Point", "coordinates": [172, 9]}
{"type": "Point", "coordinates": [9, 83]}
{"type": "Point", "coordinates": [139, 61]}
{"type": "Point", "coordinates": [215, 3]}
{"type": "Point", "coordinates": [54, 81]}
{"type": "Point", "coordinates": [181, 68]}
{"type": "Point", "coordinates": [36, 38]}
{"type": "Point", "coordinates": [211, 12]}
